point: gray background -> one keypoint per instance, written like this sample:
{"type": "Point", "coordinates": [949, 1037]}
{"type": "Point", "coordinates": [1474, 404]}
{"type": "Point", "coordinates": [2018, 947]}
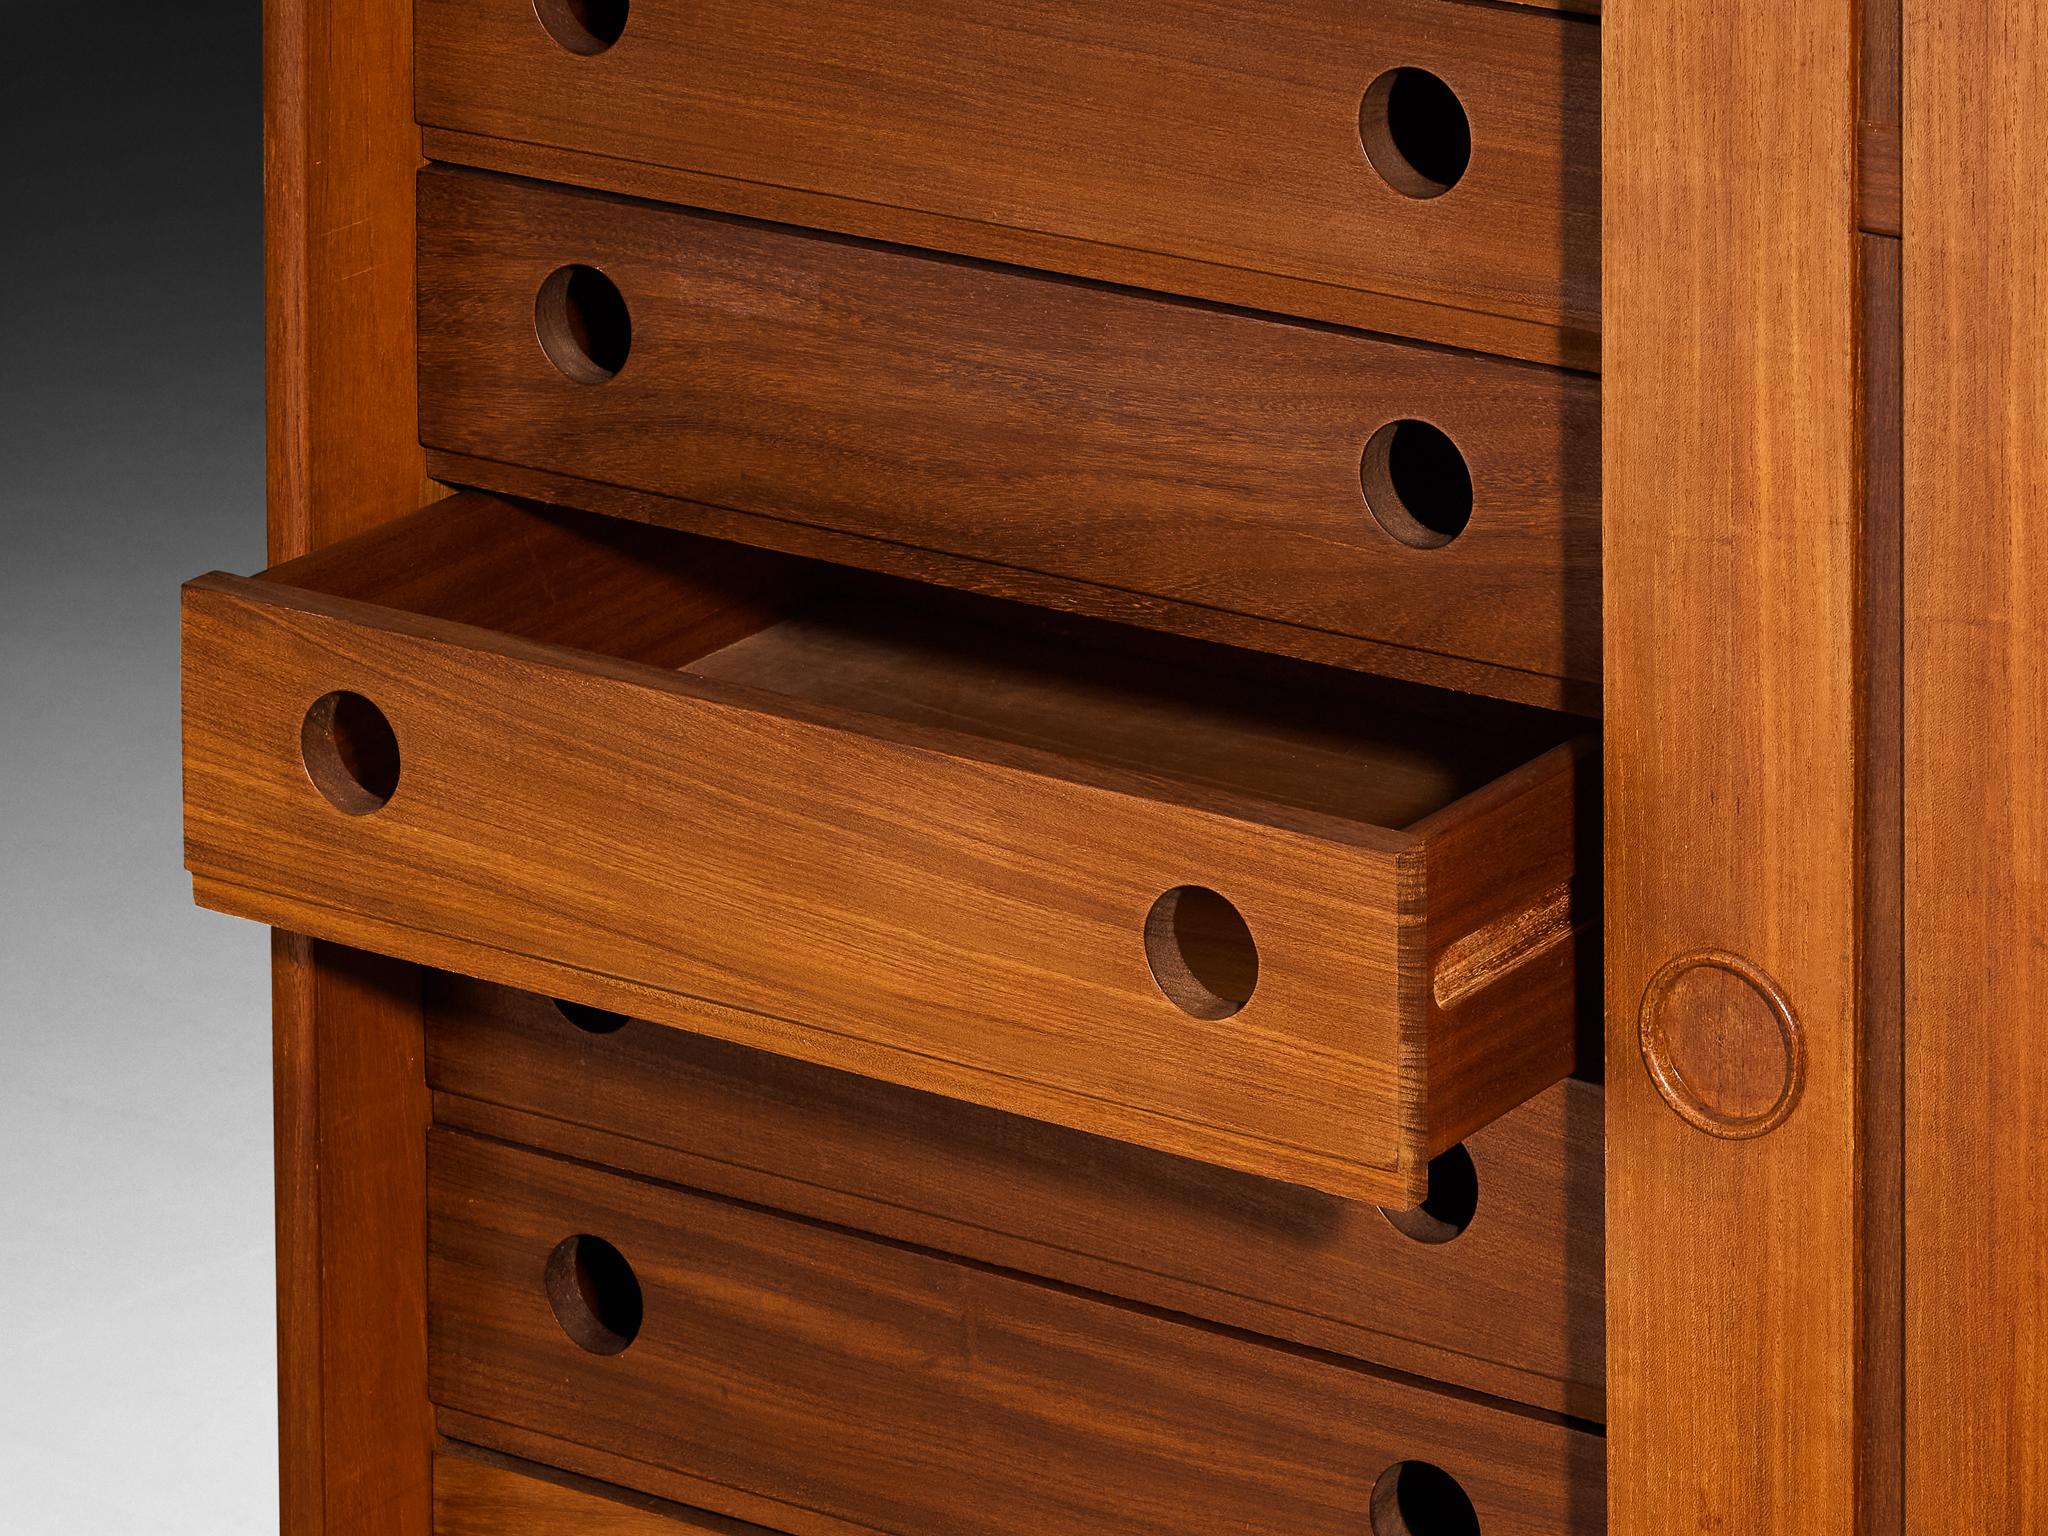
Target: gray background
{"type": "Point", "coordinates": [136, 1337]}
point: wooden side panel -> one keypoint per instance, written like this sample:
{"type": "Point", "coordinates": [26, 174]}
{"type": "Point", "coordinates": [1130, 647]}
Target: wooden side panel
{"type": "Point", "coordinates": [823, 1382]}
{"type": "Point", "coordinates": [1201, 456]}
{"type": "Point", "coordinates": [1212, 148]}
{"type": "Point", "coordinates": [340, 153]}
{"type": "Point", "coordinates": [1733, 604]}
{"type": "Point", "coordinates": [1510, 1306]}
{"type": "Point", "coordinates": [1976, 319]}
{"type": "Point", "coordinates": [351, 1113]}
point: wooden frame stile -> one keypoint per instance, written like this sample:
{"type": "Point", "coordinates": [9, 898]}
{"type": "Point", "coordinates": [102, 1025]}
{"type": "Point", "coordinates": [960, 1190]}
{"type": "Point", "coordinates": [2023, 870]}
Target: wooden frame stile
{"type": "Point", "coordinates": [1752, 588]}
{"type": "Point", "coordinates": [1976, 622]}
{"type": "Point", "coordinates": [340, 153]}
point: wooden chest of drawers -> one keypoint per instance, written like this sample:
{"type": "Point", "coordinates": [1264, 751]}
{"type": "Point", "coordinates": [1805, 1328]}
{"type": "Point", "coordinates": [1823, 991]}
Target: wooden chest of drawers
{"type": "Point", "coordinates": [927, 740]}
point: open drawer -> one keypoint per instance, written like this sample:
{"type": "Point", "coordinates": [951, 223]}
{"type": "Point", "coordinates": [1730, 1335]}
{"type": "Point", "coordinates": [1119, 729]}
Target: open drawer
{"type": "Point", "coordinates": [1299, 922]}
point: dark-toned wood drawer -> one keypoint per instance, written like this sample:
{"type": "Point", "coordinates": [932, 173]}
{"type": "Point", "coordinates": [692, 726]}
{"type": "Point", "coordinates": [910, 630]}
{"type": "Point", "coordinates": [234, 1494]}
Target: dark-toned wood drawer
{"type": "Point", "coordinates": [1326, 482]}
{"type": "Point", "coordinates": [821, 1382]}
{"type": "Point", "coordinates": [1286, 154]}
{"type": "Point", "coordinates": [478, 1493]}
{"type": "Point", "coordinates": [1495, 1284]}
{"type": "Point", "coordinates": [1293, 921]}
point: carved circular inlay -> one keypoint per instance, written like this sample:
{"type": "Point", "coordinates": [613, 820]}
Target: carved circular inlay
{"type": "Point", "coordinates": [1722, 1044]}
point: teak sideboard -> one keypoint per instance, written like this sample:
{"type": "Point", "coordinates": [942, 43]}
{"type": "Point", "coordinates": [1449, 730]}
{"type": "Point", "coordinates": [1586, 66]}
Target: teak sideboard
{"type": "Point", "coordinates": [1124, 767]}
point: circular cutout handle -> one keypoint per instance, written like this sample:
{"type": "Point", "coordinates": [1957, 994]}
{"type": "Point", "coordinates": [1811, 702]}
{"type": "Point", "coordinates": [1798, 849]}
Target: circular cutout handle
{"type": "Point", "coordinates": [594, 1294]}
{"type": "Point", "coordinates": [585, 27]}
{"type": "Point", "coordinates": [1447, 1210]}
{"type": "Point", "coordinates": [1201, 952]}
{"type": "Point", "coordinates": [589, 1018]}
{"type": "Point", "coordinates": [1415, 132]}
{"type": "Point", "coordinates": [1418, 1498]}
{"type": "Point", "coordinates": [583, 325]}
{"type": "Point", "coordinates": [350, 752]}
{"type": "Point", "coordinates": [1416, 482]}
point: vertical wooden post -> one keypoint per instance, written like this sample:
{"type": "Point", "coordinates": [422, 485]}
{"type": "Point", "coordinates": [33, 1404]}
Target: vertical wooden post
{"type": "Point", "coordinates": [1976, 321]}
{"type": "Point", "coordinates": [340, 152]}
{"type": "Point", "coordinates": [1737, 711]}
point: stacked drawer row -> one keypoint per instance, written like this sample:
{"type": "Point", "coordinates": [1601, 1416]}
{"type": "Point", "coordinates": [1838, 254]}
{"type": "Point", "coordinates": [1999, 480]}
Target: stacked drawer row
{"type": "Point", "coordinates": [1324, 493]}
{"type": "Point", "coordinates": [812, 1301]}
{"type": "Point", "coordinates": [986, 1018]}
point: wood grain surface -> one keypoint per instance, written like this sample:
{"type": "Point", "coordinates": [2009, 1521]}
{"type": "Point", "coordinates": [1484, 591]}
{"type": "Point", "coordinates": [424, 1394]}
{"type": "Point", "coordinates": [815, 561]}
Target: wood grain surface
{"type": "Point", "coordinates": [1976, 338]}
{"type": "Point", "coordinates": [1511, 1306]}
{"type": "Point", "coordinates": [339, 155]}
{"type": "Point", "coordinates": [1735, 716]}
{"type": "Point", "coordinates": [478, 1494]}
{"type": "Point", "coordinates": [351, 1112]}
{"type": "Point", "coordinates": [1224, 137]}
{"type": "Point", "coordinates": [940, 908]}
{"type": "Point", "coordinates": [1118, 605]}
{"type": "Point", "coordinates": [340, 152]}
{"type": "Point", "coordinates": [850, 1384]}
{"type": "Point", "coordinates": [1175, 451]}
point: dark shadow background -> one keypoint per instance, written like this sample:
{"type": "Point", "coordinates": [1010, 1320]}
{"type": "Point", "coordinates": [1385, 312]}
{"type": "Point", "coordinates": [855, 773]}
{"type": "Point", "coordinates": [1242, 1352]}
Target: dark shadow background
{"type": "Point", "coordinates": [136, 1336]}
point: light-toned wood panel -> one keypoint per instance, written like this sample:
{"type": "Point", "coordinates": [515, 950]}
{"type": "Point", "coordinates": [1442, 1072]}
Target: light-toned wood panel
{"type": "Point", "coordinates": [1976, 326]}
{"type": "Point", "coordinates": [1733, 603]}
{"type": "Point", "coordinates": [741, 860]}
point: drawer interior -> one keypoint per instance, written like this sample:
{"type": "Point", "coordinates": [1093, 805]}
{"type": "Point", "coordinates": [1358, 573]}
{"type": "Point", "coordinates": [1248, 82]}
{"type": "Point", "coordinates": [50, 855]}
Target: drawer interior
{"type": "Point", "coordinates": [834, 640]}
{"type": "Point", "coordinates": [1347, 745]}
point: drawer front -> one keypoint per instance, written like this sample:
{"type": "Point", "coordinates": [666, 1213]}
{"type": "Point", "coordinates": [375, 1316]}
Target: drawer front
{"type": "Point", "coordinates": [1497, 1287]}
{"type": "Point", "coordinates": [755, 1364]}
{"type": "Point", "coordinates": [480, 1494]}
{"type": "Point", "coordinates": [993, 922]}
{"type": "Point", "coordinates": [1331, 482]}
{"type": "Point", "coordinates": [1229, 138]}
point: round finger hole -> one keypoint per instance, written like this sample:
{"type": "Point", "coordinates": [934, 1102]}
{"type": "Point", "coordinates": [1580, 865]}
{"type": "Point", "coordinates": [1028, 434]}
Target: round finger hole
{"type": "Point", "coordinates": [350, 753]}
{"type": "Point", "coordinates": [1415, 1498]}
{"type": "Point", "coordinates": [592, 1021]}
{"type": "Point", "coordinates": [1415, 132]}
{"type": "Point", "coordinates": [1417, 484]}
{"type": "Point", "coordinates": [1448, 1208]}
{"type": "Point", "coordinates": [594, 1293]}
{"type": "Point", "coordinates": [1201, 953]}
{"type": "Point", "coordinates": [583, 26]}
{"type": "Point", "coordinates": [583, 324]}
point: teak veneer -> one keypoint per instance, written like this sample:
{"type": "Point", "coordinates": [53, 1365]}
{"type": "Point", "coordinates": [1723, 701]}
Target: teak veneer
{"type": "Point", "coordinates": [909, 834]}
{"type": "Point", "coordinates": [1494, 1285]}
{"type": "Point", "coordinates": [1213, 149]}
{"type": "Point", "coordinates": [1188, 455]}
{"type": "Point", "coordinates": [824, 1383]}
{"type": "Point", "coordinates": [1799, 247]}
